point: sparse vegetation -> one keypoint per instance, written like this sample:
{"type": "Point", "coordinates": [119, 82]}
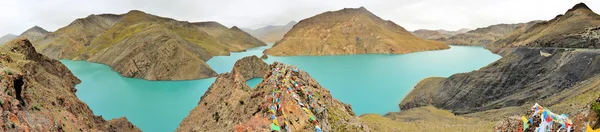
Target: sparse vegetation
{"type": "Point", "coordinates": [596, 108]}
{"type": "Point", "coordinates": [36, 107]}
{"type": "Point", "coordinates": [216, 116]}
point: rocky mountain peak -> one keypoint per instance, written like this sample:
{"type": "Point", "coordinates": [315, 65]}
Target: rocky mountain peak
{"type": "Point", "coordinates": [236, 28]}
{"type": "Point", "coordinates": [580, 6]}
{"type": "Point", "coordinates": [37, 29]}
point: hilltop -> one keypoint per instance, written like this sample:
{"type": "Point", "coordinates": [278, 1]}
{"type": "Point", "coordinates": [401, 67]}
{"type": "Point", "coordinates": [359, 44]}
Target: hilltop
{"type": "Point", "coordinates": [349, 31]}
{"type": "Point", "coordinates": [141, 45]}
{"type": "Point", "coordinates": [271, 34]}
{"type": "Point", "coordinates": [38, 94]}
{"type": "Point", "coordinates": [34, 33]}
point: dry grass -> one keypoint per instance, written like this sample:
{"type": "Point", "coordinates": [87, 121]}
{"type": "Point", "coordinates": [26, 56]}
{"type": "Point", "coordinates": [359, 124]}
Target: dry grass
{"type": "Point", "coordinates": [425, 119]}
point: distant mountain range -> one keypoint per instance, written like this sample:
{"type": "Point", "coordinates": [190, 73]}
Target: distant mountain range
{"type": "Point", "coordinates": [271, 34]}
{"type": "Point", "coordinates": [7, 38]}
{"type": "Point", "coordinates": [439, 35]}
{"type": "Point", "coordinates": [478, 37]}
{"type": "Point", "coordinates": [141, 45]}
{"type": "Point", "coordinates": [349, 31]}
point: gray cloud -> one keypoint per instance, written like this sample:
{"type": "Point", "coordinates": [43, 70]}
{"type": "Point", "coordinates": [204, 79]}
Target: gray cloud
{"type": "Point", "coordinates": [19, 15]}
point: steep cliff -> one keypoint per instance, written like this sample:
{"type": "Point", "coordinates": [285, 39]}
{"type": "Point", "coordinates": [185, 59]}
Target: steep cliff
{"type": "Point", "coordinates": [38, 94]}
{"type": "Point", "coordinates": [275, 104]}
{"type": "Point", "coordinates": [349, 31]}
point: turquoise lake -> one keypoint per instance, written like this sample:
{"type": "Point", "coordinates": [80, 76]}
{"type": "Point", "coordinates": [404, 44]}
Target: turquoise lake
{"type": "Point", "coordinates": [371, 83]}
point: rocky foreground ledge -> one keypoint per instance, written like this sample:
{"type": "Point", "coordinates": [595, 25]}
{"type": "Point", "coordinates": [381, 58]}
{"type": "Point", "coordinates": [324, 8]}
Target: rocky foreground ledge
{"type": "Point", "coordinates": [38, 94]}
{"type": "Point", "coordinates": [287, 99]}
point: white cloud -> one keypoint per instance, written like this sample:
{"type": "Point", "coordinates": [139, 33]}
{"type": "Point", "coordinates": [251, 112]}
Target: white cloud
{"type": "Point", "coordinates": [19, 15]}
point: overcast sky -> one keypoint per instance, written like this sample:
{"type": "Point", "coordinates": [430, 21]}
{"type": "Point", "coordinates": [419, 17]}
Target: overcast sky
{"type": "Point", "coordinates": [17, 16]}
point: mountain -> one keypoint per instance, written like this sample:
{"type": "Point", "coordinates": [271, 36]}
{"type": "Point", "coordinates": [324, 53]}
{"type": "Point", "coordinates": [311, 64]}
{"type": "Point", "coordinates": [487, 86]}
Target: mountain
{"type": "Point", "coordinates": [349, 31]}
{"type": "Point", "coordinates": [579, 27]}
{"type": "Point", "coordinates": [271, 34]}
{"type": "Point", "coordinates": [438, 35]}
{"type": "Point", "coordinates": [6, 38]}
{"type": "Point", "coordinates": [38, 94]}
{"type": "Point", "coordinates": [234, 38]}
{"type": "Point", "coordinates": [34, 33]}
{"type": "Point", "coordinates": [525, 74]}
{"type": "Point", "coordinates": [486, 35]}
{"type": "Point", "coordinates": [141, 45]}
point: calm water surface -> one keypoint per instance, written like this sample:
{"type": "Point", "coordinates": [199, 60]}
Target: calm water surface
{"type": "Point", "coordinates": [370, 83]}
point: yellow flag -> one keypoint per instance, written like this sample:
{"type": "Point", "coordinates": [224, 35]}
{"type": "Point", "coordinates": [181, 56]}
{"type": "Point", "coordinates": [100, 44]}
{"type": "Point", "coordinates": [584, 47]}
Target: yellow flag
{"type": "Point", "coordinates": [589, 129]}
{"type": "Point", "coordinates": [525, 125]}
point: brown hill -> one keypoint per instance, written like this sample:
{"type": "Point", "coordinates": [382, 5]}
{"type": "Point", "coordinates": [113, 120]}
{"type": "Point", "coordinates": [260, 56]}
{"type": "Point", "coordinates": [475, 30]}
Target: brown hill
{"type": "Point", "coordinates": [349, 31]}
{"type": "Point", "coordinates": [579, 27]}
{"type": "Point", "coordinates": [145, 46]}
{"type": "Point", "coordinates": [38, 94]}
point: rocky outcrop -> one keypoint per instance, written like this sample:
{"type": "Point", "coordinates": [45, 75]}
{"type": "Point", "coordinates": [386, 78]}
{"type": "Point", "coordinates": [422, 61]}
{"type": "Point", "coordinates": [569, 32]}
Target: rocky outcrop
{"type": "Point", "coordinates": [487, 35]}
{"type": "Point", "coordinates": [145, 46]}
{"type": "Point", "coordinates": [438, 35]}
{"type": "Point", "coordinates": [579, 27]}
{"type": "Point", "coordinates": [271, 34]}
{"type": "Point", "coordinates": [38, 94]}
{"type": "Point", "coordinates": [34, 33]}
{"type": "Point", "coordinates": [229, 104]}
{"type": "Point", "coordinates": [250, 67]}
{"type": "Point", "coordinates": [6, 38]}
{"type": "Point", "coordinates": [349, 31]}
{"type": "Point", "coordinates": [264, 56]}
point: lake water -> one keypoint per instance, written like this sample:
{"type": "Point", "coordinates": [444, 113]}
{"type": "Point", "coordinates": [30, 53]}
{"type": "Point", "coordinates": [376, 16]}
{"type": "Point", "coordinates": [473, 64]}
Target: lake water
{"type": "Point", "coordinates": [370, 83]}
